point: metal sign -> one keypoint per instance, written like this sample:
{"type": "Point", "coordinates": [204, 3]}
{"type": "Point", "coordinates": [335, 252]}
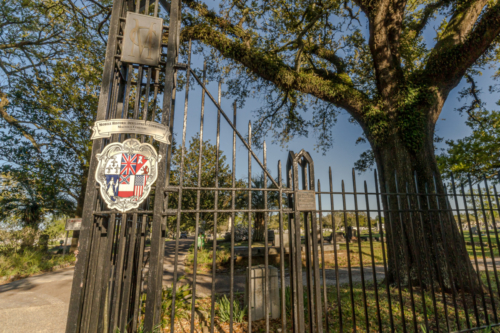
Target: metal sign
{"type": "Point", "coordinates": [306, 200]}
{"type": "Point", "coordinates": [104, 129]}
{"type": "Point", "coordinates": [142, 39]}
{"type": "Point", "coordinates": [126, 172]}
{"type": "Point", "coordinates": [73, 224]}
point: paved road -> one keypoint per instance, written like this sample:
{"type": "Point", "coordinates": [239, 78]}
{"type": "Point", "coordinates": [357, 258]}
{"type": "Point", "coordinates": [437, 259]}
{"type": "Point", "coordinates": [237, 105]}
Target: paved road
{"type": "Point", "coordinates": [36, 304]}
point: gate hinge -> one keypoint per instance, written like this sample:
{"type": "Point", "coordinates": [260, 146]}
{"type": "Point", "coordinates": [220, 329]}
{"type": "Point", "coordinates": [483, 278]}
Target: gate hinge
{"type": "Point", "coordinates": [181, 66]}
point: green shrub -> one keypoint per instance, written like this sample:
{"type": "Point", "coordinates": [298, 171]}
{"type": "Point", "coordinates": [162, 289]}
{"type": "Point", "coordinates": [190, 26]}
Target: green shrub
{"type": "Point", "coordinates": [30, 261]}
{"type": "Point", "coordinates": [224, 311]}
{"type": "Point", "coordinates": [182, 303]}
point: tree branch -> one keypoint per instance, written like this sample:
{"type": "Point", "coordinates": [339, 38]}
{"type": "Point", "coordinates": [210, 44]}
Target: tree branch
{"type": "Point", "coordinates": [338, 89]}
{"type": "Point", "coordinates": [385, 22]}
{"type": "Point", "coordinates": [427, 13]}
{"type": "Point", "coordinates": [13, 121]}
{"type": "Point", "coordinates": [464, 42]}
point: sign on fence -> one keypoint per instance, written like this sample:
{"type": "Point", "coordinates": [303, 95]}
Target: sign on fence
{"type": "Point", "coordinates": [306, 200]}
{"type": "Point", "coordinates": [73, 224]}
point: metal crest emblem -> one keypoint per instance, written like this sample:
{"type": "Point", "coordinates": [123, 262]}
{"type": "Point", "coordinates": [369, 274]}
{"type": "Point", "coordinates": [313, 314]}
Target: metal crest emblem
{"type": "Point", "coordinates": [126, 172]}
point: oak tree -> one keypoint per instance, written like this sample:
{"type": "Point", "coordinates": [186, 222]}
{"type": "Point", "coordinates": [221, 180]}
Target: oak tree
{"type": "Point", "coordinates": [313, 56]}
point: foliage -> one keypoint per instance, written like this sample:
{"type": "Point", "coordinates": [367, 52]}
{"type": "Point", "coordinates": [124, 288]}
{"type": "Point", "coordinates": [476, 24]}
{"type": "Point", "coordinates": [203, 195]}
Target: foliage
{"type": "Point", "coordinates": [311, 60]}
{"type": "Point", "coordinates": [224, 310]}
{"type": "Point", "coordinates": [27, 202]}
{"type": "Point", "coordinates": [29, 262]}
{"type": "Point", "coordinates": [204, 258]}
{"type": "Point", "coordinates": [56, 227]}
{"type": "Point", "coordinates": [207, 179]}
{"type": "Point", "coordinates": [349, 219]}
{"type": "Point", "coordinates": [259, 199]}
{"type": "Point", "coordinates": [478, 154]}
{"type": "Point", "coordinates": [50, 65]}
{"type": "Point", "coordinates": [183, 295]}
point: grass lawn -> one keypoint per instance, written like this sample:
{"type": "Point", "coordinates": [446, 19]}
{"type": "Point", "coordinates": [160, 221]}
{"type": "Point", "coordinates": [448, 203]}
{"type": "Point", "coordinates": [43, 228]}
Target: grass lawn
{"type": "Point", "coordinates": [352, 317]}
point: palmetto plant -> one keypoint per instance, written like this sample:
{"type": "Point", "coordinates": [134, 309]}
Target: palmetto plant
{"type": "Point", "coordinates": [225, 310]}
{"type": "Point", "coordinates": [26, 203]}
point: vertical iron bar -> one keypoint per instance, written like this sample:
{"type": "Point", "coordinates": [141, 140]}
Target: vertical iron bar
{"type": "Point", "coordinates": [282, 250]}
{"type": "Point", "coordinates": [323, 273]}
{"type": "Point", "coordinates": [474, 252]}
{"type": "Point", "coordinates": [309, 269]}
{"type": "Point", "coordinates": [348, 260]}
{"type": "Point", "coordinates": [118, 273]}
{"type": "Point", "coordinates": [80, 275]}
{"type": "Point", "coordinates": [374, 272]}
{"type": "Point", "coordinates": [181, 182]}
{"type": "Point", "coordinates": [466, 254]}
{"type": "Point", "coordinates": [448, 209]}
{"type": "Point", "coordinates": [266, 243]}
{"type": "Point", "coordinates": [443, 235]}
{"type": "Point", "coordinates": [127, 283]}
{"type": "Point", "coordinates": [233, 220]}
{"type": "Point", "coordinates": [406, 249]}
{"type": "Point", "coordinates": [401, 304]}
{"type": "Point", "coordinates": [382, 240]}
{"type": "Point", "coordinates": [417, 256]}
{"type": "Point", "coordinates": [198, 198]}
{"type": "Point", "coordinates": [106, 273]}
{"type": "Point", "coordinates": [492, 220]}
{"type": "Point", "coordinates": [367, 322]}
{"type": "Point", "coordinates": [249, 229]}
{"type": "Point", "coordinates": [315, 254]}
{"type": "Point", "coordinates": [139, 276]}
{"type": "Point", "coordinates": [154, 290]}
{"type": "Point", "coordinates": [426, 249]}
{"type": "Point", "coordinates": [296, 253]}
{"type": "Point", "coordinates": [436, 255]}
{"type": "Point", "coordinates": [334, 239]}
{"type": "Point", "coordinates": [308, 230]}
{"type": "Point", "coordinates": [482, 249]}
{"type": "Point", "coordinates": [490, 247]}
{"type": "Point", "coordinates": [216, 207]}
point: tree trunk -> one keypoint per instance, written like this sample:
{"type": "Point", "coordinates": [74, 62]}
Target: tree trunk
{"type": "Point", "coordinates": [259, 230]}
{"type": "Point", "coordinates": [423, 246]}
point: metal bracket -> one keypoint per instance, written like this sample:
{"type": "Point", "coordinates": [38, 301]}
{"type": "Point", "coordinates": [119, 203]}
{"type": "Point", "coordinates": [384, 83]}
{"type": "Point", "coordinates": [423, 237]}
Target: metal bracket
{"type": "Point", "coordinates": [181, 66]}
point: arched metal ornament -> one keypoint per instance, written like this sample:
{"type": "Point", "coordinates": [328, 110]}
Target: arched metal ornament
{"type": "Point", "coordinates": [126, 172]}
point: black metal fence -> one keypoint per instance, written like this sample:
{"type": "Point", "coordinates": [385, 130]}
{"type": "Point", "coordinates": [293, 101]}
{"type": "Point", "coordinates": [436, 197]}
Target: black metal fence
{"type": "Point", "coordinates": [346, 285]}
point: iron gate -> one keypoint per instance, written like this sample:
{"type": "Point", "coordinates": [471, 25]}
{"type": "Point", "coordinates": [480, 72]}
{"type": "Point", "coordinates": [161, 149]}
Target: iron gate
{"type": "Point", "coordinates": [324, 283]}
{"type": "Point", "coordinates": [118, 276]}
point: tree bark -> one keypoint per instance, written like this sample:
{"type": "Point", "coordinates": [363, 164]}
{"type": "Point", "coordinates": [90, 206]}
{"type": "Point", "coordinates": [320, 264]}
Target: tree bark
{"type": "Point", "coordinates": [259, 228]}
{"type": "Point", "coordinates": [422, 236]}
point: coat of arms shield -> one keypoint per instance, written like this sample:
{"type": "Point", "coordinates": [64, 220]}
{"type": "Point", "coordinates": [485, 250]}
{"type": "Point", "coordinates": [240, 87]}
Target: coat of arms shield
{"type": "Point", "coordinates": [126, 172]}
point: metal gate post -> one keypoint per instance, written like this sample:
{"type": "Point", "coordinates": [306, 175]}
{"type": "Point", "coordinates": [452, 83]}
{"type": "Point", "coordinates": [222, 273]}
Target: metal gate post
{"type": "Point", "coordinates": [303, 201]}
{"type": "Point", "coordinates": [108, 282]}
{"type": "Point", "coordinates": [89, 220]}
{"type": "Point", "coordinates": [154, 290]}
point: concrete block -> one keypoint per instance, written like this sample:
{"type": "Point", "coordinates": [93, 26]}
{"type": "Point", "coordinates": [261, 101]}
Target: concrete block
{"type": "Point", "coordinates": [256, 300]}
{"type": "Point", "coordinates": [286, 239]}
